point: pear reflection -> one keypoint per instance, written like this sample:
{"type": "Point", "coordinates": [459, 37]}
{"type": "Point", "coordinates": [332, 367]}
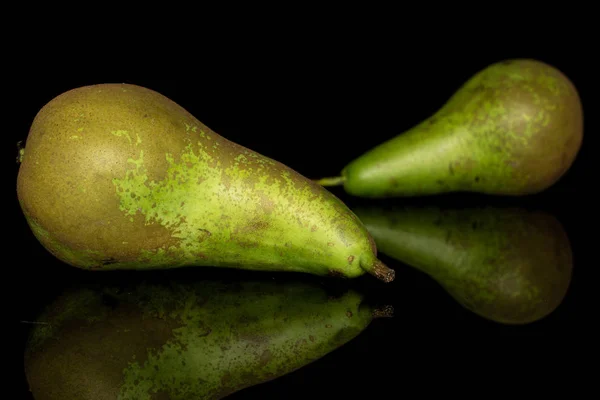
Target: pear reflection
{"type": "Point", "coordinates": [184, 340]}
{"type": "Point", "coordinates": [509, 265]}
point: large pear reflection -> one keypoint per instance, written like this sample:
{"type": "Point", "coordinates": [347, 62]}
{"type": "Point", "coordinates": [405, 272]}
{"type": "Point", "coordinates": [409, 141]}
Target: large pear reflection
{"type": "Point", "coordinates": [185, 340]}
{"type": "Point", "coordinates": [508, 265]}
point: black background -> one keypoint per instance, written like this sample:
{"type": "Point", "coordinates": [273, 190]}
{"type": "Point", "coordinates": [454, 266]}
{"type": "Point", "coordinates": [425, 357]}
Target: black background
{"type": "Point", "coordinates": [316, 114]}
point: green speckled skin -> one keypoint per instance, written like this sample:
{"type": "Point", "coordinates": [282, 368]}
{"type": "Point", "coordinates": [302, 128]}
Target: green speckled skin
{"type": "Point", "coordinates": [513, 129]}
{"type": "Point", "coordinates": [118, 176]}
{"type": "Point", "coordinates": [184, 340]}
{"type": "Point", "coordinates": [511, 266]}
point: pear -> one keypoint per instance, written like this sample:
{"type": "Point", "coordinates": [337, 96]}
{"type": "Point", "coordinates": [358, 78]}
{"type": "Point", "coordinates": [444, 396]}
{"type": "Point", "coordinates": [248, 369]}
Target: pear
{"type": "Point", "coordinates": [118, 176]}
{"type": "Point", "coordinates": [183, 339]}
{"type": "Point", "coordinates": [513, 129]}
{"type": "Point", "coordinates": [508, 265]}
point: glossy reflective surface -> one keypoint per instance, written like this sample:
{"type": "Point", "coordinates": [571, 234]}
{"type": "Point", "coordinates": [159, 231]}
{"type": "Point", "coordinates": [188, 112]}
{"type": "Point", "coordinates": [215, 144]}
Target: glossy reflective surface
{"type": "Point", "coordinates": [478, 279]}
{"type": "Point", "coordinates": [510, 265]}
{"type": "Point", "coordinates": [182, 336]}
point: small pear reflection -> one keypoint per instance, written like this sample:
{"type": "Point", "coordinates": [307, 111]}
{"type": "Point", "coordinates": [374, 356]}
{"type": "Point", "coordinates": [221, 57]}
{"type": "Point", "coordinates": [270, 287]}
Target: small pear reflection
{"type": "Point", "coordinates": [185, 340]}
{"type": "Point", "coordinates": [509, 265]}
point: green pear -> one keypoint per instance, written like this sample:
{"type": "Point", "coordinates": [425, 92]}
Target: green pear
{"type": "Point", "coordinates": [513, 129]}
{"type": "Point", "coordinates": [509, 265]}
{"type": "Point", "coordinates": [183, 339]}
{"type": "Point", "coordinates": [118, 176]}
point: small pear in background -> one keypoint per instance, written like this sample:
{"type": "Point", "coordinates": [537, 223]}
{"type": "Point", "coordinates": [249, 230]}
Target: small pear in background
{"type": "Point", "coordinates": [185, 339]}
{"type": "Point", "coordinates": [118, 176]}
{"type": "Point", "coordinates": [509, 265]}
{"type": "Point", "coordinates": [513, 129]}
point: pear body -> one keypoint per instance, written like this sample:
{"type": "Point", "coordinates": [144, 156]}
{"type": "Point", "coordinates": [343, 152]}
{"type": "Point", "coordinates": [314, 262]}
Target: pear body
{"type": "Point", "coordinates": [509, 265]}
{"type": "Point", "coordinates": [118, 176]}
{"type": "Point", "coordinates": [513, 129]}
{"type": "Point", "coordinates": [183, 340]}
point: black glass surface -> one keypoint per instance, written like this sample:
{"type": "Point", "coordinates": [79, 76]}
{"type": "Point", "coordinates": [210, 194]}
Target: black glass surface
{"type": "Point", "coordinates": [315, 119]}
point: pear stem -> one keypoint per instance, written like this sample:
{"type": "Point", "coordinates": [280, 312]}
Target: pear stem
{"type": "Point", "coordinates": [384, 312]}
{"type": "Point", "coordinates": [378, 269]}
{"type": "Point", "coordinates": [331, 181]}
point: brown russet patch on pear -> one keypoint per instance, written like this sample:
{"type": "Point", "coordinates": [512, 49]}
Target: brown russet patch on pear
{"type": "Point", "coordinates": [139, 236]}
{"type": "Point", "coordinates": [265, 358]}
{"type": "Point", "coordinates": [203, 234]}
{"type": "Point", "coordinates": [531, 153]}
{"type": "Point", "coordinates": [543, 148]}
{"type": "Point", "coordinates": [373, 245]}
{"type": "Point", "coordinates": [96, 223]}
{"type": "Point", "coordinates": [267, 204]}
{"type": "Point", "coordinates": [256, 226]}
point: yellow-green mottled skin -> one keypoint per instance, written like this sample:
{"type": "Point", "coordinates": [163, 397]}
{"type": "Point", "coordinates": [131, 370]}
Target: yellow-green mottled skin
{"type": "Point", "coordinates": [180, 341]}
{"type": "Point", "coordinates": [511, 266]}
{"type": "Point", "coordinates": [513, 129]}
{"type": "Point", "coordinates": [118, 176]}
